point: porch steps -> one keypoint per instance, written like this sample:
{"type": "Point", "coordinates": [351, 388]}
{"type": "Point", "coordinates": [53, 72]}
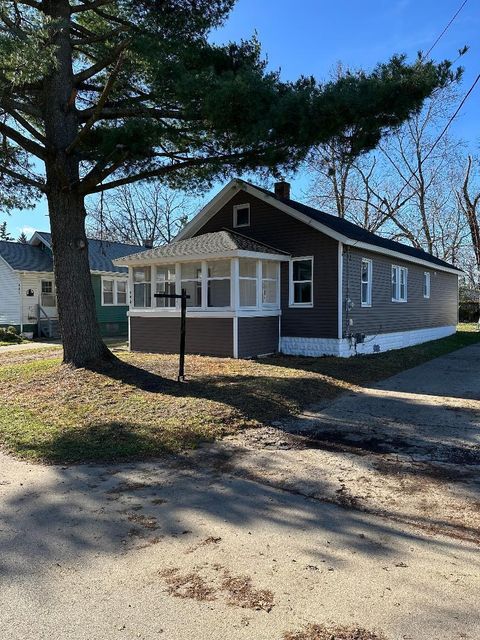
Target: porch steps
{"type": "Point", "coordinates": [49, 328]}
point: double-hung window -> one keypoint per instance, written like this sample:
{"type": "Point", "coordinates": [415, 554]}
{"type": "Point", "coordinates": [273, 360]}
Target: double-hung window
{"type": "Point", "coordinates": [301, 282]}
{"type": "Point", "coordinates": [192, 282]}
{"type": "Point", "coordinates": [114, 292]}
{"type": "Point", "coordinates": [165, 283]}
{"type": "Point", "coordinates": [426, 284]}
{"type": "Point", "coordinates": [48, 294]}
{"type": "Point", "coordinates": [366, 282]}
{"type": "Point", "coordinates": [248, 283]}
{"type": "Point", "coordinates": [142, 287]}
{"type": "Point", "coordinates": [218, 283]}
{"type": "Point", "coordinates": [269, 283]}
{"type": "Point", "coordinates": [399, 283]}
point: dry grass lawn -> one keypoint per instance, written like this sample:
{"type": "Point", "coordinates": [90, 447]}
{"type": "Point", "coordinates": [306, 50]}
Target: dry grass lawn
{"type": "Point", "coordinates": [53, 413]}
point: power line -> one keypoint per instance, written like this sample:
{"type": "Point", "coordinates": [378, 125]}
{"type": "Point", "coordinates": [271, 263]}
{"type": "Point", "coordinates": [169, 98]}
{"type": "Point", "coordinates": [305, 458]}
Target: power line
{"type": "Point", "coordinates": [452, 19]}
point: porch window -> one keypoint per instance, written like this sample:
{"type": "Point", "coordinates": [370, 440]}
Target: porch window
{"type": "Point", "coordinates": [399, 284]}
{"type": "Point", "coordinates": [269, 283]}
{"type": "Point", "coordinates": [165, 283]}
{"type": "Point", "coordinates": [248, 283]}
{"type": "Point", "coordinates": [192, 282]}
{"type": "Point", "coordinates": [218, 283]}
{"type": "Point", "coordinates": [142, 287]}
{"type": "Point", "coordinates": [366, 282]}
{"type": "Point", "coordinates": [121, 292]}
{"type": "Point", "coordinates": [301, 282]}
{"type": "Point", "coordinates": [48, 294]}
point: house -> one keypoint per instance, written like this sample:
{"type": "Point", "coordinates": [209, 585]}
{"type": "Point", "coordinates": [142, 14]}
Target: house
{"type": "Point", "coordinates": [27, 294]}
{"type": "Point", "coordinates": [266, 273]}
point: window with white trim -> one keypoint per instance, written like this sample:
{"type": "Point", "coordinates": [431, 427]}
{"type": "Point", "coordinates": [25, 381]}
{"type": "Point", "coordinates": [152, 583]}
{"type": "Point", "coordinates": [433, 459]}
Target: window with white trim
{"type": "Point", "coordinates": [301, 282]}
{"type": "Point", "coordinates": [241, 215]}
{"type": "Point", "coordinates": [48, 298]}
{"type": "Point", "coordinates": [142, 287]}
{"type": "Point", "coordinates": [426, 284]}
{"type": "Point", "coordinates": [248, 283]}
{"type": "Point", "coordinates": [191, 273]}
{"type": "Point", "coordinates": [399, 283]}
{"type": "Point", "coordinates": [269, 283]}
{"type": "Point", "coordinates": [218, 283]}
{"type": "Point", "coordinates": [114, 292]}
{"type": "Point", "coordinates": [366, 283]}
{"type": "Point", "coordinates": [165, 283]}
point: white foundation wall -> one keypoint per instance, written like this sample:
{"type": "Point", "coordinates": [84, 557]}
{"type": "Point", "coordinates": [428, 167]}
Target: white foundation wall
{"type": "Point", "coordinates": [315, 347]}
{"type": "Point", "coordinates": [9, 295]}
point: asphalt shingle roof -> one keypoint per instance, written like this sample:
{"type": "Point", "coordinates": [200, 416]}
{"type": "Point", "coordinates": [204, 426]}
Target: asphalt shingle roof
{"type": "Point", "coordinates": [205, 244]}
{"type": "Point", "coordinates": [356, 233]}
{"type": "Point", "coordinates": [27, 257]}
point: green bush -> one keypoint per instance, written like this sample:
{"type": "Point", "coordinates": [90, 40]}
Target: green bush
{"type": "Point", "coordinates": [9, 335]}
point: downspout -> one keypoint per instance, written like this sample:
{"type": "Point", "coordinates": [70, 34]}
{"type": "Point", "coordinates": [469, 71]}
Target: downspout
{"type": "Point", "coordinates": [21, 301]}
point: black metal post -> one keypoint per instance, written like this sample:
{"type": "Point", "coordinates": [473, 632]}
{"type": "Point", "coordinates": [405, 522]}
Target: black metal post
{"type": "Point", "coordinates": [183, 322]}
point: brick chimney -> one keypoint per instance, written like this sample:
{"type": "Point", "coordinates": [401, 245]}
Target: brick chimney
{"type": "Point", "coordinates": [282, 189]}
{"type": "Point", "coordinates": [148, 243]}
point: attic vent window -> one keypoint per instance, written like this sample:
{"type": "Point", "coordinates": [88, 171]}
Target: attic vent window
{"type": "Point", "coordinates": [241, 215]}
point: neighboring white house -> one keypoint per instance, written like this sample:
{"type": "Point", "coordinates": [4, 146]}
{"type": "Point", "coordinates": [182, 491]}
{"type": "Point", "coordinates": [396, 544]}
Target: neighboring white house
{"type": "Point", "coordinates": [27, 292]}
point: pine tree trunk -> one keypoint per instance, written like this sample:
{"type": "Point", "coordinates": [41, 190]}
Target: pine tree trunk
{"type": "Point", "coordinates": [82, 341]}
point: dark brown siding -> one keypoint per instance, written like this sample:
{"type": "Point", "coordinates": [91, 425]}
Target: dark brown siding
{"type": "Point", "coordinates": [385, 316]}
{"type": "Point", "coordinates": [206, 336]}
{"type": "Point", "coordinates": [257, 336]}
{"type": "Point", "coordinates": [280, 230]}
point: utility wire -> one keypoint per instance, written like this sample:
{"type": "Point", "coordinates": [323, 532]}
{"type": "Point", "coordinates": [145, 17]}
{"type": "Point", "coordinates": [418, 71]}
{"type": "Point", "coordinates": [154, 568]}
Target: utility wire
{"type": "Point", "coordinates": [445, 29]}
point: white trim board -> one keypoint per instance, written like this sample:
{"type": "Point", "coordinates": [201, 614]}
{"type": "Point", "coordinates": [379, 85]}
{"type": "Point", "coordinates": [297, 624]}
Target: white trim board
{"type": "Point", "coordinates": [317, 347]}
{"type": "Point", "coordinates": [234, 186]}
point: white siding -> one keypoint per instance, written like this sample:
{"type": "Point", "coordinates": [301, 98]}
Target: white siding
{"type": "Point", "coordinates": [32, 281]}
{"type": "Point", "coordinates": [9, 295]}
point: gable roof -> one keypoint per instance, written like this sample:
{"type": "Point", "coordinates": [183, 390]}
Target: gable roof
{"type": "Point", "coordinates": [333, 226]}
{"type": "Point", "coordinates": [218, 243]}
{"type": "Point", "coordinates": [31, 257]}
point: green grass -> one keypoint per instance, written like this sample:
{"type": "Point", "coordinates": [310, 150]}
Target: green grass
{"type": "Point", "coordinates": [135, 409]}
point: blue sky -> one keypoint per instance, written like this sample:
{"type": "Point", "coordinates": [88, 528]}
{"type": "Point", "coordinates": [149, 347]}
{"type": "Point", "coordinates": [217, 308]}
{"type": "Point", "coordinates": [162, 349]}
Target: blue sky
{"type": "Point", "coordinates": [310, 36]}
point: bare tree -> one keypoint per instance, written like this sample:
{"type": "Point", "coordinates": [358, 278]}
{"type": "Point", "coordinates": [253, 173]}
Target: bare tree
{"type": "Point", "coordinates": [469, 201]}
{"type": "Point", "coordinates": [138, 213]}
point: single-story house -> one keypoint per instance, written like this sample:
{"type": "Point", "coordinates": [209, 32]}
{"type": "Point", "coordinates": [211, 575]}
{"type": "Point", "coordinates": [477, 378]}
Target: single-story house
{"type": "Point", "coordinates": [27, 292]}
{"type": "Point", "coordinates": [268, 274]}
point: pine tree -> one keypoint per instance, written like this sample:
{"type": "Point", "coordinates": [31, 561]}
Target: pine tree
{"type": "Point", "coordinates": [4, 235]}
{"type": "Point", "coordinates": [22, 238]}
{"type": "Point", "coordinates": [101, 93]}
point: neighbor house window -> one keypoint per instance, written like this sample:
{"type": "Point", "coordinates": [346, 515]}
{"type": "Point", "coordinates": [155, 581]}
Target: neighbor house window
{"type": "Point", "coordinates": [426, 284]}
{"type": "Point", "coordinates": [218, 283]}
{"type": "Point", "coordinates": [366, 282]}
{"type": "Point", "coordinates": [399, 284]}
{"type": "Point", "coordinates": [107, 292]}
{"type": "Point", "coordinates": [192, 282]}
{"type": "Point", "coordinates": [165, 283]}
{"type": "Point", "coordinates": [241, 215]}
{"type": "Point", "coordinates": [114, 292]}
{"type": "Point", "coordinates": [248, 283]}
{"type": "Point", "coordinates": [142, 287]}
{"type": "Point", "coordinates": [269, 283]}
{"type": "Point", "coordinates": [48, 294]}
{"type": "Point", "coordinates": [301, 282]}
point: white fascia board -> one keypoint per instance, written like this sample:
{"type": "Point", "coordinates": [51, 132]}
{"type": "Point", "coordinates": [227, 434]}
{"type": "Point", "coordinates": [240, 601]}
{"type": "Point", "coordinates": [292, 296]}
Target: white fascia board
{"type": "Point", "coordinates": [119, 274]}
{"type": "Point", "coordinates": [48, 274]}
{"type": "Point", "coordinates": [210, 209]}
{"type": "Point", "coordinates": [230, 313]}
{"type": "Point", "coordinates": [204, 256]}
{"type": "Point", "coordinates": [236, 185]}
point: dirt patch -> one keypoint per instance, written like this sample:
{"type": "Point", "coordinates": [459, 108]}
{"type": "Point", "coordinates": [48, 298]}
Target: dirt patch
{"type": "Point", "coordinates": [238, 591]}
{"type": "Point", "coordinates": [203, 543]}
{"type": "Point", "coordinates": [124, 487]}
{"type": "Point", "coordinates": [241, 593]}
{"type": "Point", "coordinates": [320, 632]}
{"type": "Point", "coordinates": [147, 522]}
{"type": "Point", "coordinates": [190, 585]}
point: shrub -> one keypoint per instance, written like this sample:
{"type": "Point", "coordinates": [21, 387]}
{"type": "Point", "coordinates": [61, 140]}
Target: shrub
{"type": "Point", "coordinates": [12, 330]}
{"type": "Point", "coordinates": [7, 335]}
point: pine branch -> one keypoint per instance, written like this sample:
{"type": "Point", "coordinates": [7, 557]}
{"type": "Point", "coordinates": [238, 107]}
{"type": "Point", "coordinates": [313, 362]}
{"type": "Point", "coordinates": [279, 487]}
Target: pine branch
{"type": "Point", "coordinates": [90, 6]}
{"type": "Point", "coordinates": [30, 182]}
{"type": "Point", "coordinates": [96, 68]}
{"type": "Point", "coordinates": [26, 144]}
